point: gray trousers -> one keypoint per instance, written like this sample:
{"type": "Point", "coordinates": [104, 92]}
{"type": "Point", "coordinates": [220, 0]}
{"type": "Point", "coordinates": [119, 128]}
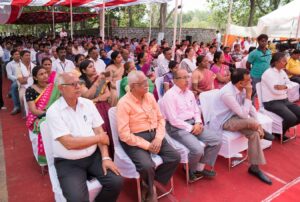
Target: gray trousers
{"type": "Point", "coordinates": [255, 152]}
{"type": "Point", "coordinates": [198, 152]}
{"type": "Point", "coordinates": [146, 167]}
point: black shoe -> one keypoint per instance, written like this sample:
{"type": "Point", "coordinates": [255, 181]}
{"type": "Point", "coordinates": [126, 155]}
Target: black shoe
{"type": "Point", "coordinates": [15, 111]}
{"type": "Point", "coordinates": [284, 137]}
{"type": "Point", "coordinates": [268, 136]}
{"type": "Point", "coordinates": [205, 173]}
{"type": "Point", "coordinates": [260, 175]}
{"type": "Point", "coordinates": [193, 177]}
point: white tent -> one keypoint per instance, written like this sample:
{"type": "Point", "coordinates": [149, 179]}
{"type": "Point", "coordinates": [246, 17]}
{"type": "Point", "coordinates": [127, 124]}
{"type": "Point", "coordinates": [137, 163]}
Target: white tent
{"type": "Point", "coordinates": [283, 22]}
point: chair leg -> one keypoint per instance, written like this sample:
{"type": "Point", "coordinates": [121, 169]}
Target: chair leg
{"type": "Point", "coordinates": [229, 164]}
{"type": "Point", "coordinates": [171, 190]}
{"type": "Point", "coordinates": [139, 192]}
{"type": "Point", "coordinates": [187, 168]}
{"type": "Point", "coordinates": [236, 162]}
{"type": "Point", "coordinates": [294, 136]}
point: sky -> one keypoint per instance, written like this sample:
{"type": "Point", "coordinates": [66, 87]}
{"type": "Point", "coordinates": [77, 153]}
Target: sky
{"type": "Point", "coordinates": [189, 5]}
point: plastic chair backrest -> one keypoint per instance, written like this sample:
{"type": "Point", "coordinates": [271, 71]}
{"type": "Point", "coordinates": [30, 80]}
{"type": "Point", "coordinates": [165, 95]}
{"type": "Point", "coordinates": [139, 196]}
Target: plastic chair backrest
{"type": "Point", "coordinates": [259, 95]}
{"type": "Point", "coordinates": [207, 100]}
{"type": "Point", "coordinates": [158, 85]}
{"type": "Point", "coordinates": [114, 129]}
{"type": "Point", "coordinates": [47, 143]}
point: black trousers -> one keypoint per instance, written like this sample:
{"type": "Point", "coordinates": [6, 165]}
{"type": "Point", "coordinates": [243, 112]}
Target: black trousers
{"type": "Point", "coordinates": [289, 112]}
{"type": "Point", "coordinates": [146, 167]}
{"type": "Point", "coordinates": [73, 174]}
{"type": "Point", "coordinates": [295, 79]}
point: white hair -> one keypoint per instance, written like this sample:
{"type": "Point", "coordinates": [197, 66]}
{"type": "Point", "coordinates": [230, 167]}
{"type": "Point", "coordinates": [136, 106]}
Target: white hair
{"type": "Point", "coordinates": [59, 79]}
{"type": "Point", "coordinates": [134, 76]}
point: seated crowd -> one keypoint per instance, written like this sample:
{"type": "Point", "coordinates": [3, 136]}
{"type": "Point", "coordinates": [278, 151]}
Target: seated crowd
{"type": "Point", "coordinates": [72, 85]}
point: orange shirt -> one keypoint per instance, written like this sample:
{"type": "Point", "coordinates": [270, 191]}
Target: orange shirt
{"type": "Point", "coordinates": [134, 116]}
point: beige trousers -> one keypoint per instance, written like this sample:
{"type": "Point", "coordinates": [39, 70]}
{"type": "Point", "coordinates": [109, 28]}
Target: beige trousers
{"type": "Point", "coordinates": [255, 152]}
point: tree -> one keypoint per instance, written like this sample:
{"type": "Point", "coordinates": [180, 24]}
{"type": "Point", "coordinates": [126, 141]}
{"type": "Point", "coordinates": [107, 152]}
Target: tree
{"type": "Point", "coordinates": [163, 17]}
{"type": "Point", "coordinates": [244, 12]}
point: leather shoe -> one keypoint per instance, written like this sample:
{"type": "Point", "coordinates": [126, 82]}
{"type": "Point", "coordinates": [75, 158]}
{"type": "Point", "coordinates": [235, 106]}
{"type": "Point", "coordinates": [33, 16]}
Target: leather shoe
{"type": "Point", "coordinates": [284, 137]}
{"type": "Point", "coordinates": [260, 175]}
{"type": "Point", "coordinates": [268, 136]}
{"type": "Point", "coordinates": [15, 111]}
{"type": "Point", "coordinates": [205, 173]}
{"type": "Point", "coordinates": [193, 177]}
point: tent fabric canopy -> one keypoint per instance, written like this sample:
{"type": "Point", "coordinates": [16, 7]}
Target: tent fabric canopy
{"type": "Point", "coordinates": [77, 3]}
{"type": "Point", "coordinates": [45, 17]}
{"type": "Point", "coordinates": [283, 22]}
{"type": "Point", "coordinates": [10, 10]}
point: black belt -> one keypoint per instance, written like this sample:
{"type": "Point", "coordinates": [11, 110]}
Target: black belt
{"type": "Point", "coordinates": [148, 131]}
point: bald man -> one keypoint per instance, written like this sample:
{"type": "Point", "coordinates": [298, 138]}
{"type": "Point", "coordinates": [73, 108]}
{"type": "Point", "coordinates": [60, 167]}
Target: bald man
{"type": "Point", "coordinates": [80, 144]}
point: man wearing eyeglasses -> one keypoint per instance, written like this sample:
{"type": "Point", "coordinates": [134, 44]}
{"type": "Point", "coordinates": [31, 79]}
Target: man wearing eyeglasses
{"type": "Point", "coordinates": [79, 144]}
{"type": "Point", "coordinates": [184, 124]}
{"type": "Point", "coordinates": [141, 129]}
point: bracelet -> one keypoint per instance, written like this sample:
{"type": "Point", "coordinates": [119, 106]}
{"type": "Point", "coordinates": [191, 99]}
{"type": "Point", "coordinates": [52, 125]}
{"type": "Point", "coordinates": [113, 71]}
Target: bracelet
{"type": "Point", "coordinates": [106, 158]}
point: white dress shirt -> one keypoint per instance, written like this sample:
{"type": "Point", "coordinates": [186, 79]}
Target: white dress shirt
{"type": "Point", "coordinates": [26, 73]}
{"type": "Point", "coordinates": [1, 52]}
{"type": "Point", "coordinates": [63, 120]}
{"type": "Point", "coordinates": [229, 102]}
{"type": "Point", "coordinates": [77, 51]}
{"type": "Point", "coordinates": [12, 69]}
{"type": "Point", "coordinates": [210, 57]}
{"type": "Point", "coordinates": [60, 67]}
{"type": "Point", "coordinates": [269, 79]}
{"type": "Point", "coordinates": [99, 65]}
{"type": "Point", "coordinates": [163, 65]}
{"type": "Point", "coordinates": [33, 56]}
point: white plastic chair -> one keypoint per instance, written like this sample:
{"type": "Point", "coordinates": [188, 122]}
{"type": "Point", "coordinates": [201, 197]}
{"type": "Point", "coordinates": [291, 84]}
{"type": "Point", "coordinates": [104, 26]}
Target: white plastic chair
{"type": "Point", "coordinates": [33, 138]}
{"type": "Point", "coordinates": [93, 185]}
{"type": "Point", "coordinates": [232, 142]}
{"type": "Point", "coordinates": [277, 120]}
{"type": "Point", "coordinates": [158, 83]}
{"type": "Point", "coordinates": [122, 160]}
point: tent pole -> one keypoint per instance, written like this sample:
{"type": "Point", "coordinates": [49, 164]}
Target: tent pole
{"type": "Point", "coordinates": [150, 24]}
{"type": "Point", "coordinates": [228, 21]}
{"type": "Point", "coordinates": [103, 21]}
{"type": "Point", "coordinates": [71, 15]}
{"type": "Point", "coordinates": [175, 29]}
{"type": "Point", "coordinates": [298, 27]}
{"type": "Point", "coordinates": [180, 28]}
{"type": "Point", "coordinates": [53, 21]}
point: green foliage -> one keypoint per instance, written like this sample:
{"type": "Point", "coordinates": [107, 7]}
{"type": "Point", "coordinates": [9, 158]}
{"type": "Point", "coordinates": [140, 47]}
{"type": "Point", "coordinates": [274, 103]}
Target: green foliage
{"type": "Point", "coordinates": [194, 19]}
{"type": "Point", "coordinates": [241, 10]}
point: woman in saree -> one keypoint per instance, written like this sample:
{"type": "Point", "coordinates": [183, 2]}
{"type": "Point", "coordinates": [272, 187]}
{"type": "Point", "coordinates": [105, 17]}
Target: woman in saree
{"type": "Point", "coordinates": [116, 71]}
{"type": "Point", "coordinates": [189, 63]}
{"type": "Point", "coordinates": [202, 77]}
{"type": "Point", "coordinates": [39, 98]}
{"type": "Point", "coordinates": [221, 70]}
{"type": "Point", "coordinates": [47, 65]}
{"type": "Point", "coordinates": [96, 88]}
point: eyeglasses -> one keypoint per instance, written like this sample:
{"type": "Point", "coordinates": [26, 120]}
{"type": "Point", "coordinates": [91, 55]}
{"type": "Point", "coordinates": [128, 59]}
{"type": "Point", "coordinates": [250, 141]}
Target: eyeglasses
{"type": "Point", "coordinates": [74, 84]}
{"type": "Point", "coordinates": [183, 77]}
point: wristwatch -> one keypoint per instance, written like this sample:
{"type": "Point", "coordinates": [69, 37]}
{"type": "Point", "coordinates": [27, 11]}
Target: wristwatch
{"type": "Point", "coordinates": [106, 158]}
